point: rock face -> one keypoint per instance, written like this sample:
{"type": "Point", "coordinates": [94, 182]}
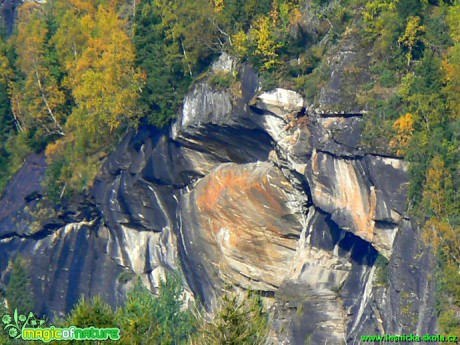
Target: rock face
{"type": "Point", "coordinates": [349, 66]}
{"type": "Point", "coordinates": [246, 189]}
{"type": "Point", "coordinates": [280, 102]}
{"type": "Point", "coordinates": [249, 218]}
{"type": "Point", "coordinates": [350, 190]}
{"type": "Point", "coordinates": [8, 10]}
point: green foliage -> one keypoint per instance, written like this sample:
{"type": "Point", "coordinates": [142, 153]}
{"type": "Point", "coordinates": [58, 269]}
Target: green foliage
{"type": "Point", "coordinates": [176, 42]}
{"type": "Point", "coordinates": [6, 131]}
{"type": "Point", "coordinates": [408, 8]}
{"type": "Point", "coordinates": [137, 318]}
{"type": "Point", "coordinates": [269, 80]}
{"type": "Point", "coordinates": [237, 321]}
{"type": "Point", "coordinates": [146, 319]}
{"type": "Point", "coordinates": [269, 39]}
{"type": "Point", "coordinates": [378, 123]}
{"type": "Point", "coordinates": [437, 26]}
{"type": "Point", "coordinates": [54, 183]}
{"type": "Point", "coordinates": [164, 87]}
{"type": "Point", "coordinates": [7, 126]}
{"type": "Point", "coordinates": [238, 15]}
{"type": "Point", "coordinates": [426, 92]}
{"type": "Point", "coordinates": [72, 85]}
{"type": "Point", "coordinates": [428, 75]}
{"type": "Point", "coordinates": [381, 271]}
{"type": "Point", "coordinates": [18, 290]}
{"type": "Point", "coordinates": [94, 312]}
{"type": "Point", "coordinates": [39, 104]}
{"type": "Point", "coordinates": [6, 118]}
{"type": "Point", "coordinates": [315, 74]}
{"type": "Point", "coordinates": [87, 313]}
{"type": "Point", "coordinates": [448, 295]}
{"type": "Point", "coordinates": [221, 80]}
{"type": "Point", "coordinates": [424, 67]}
{"type": "Point", "coordinates": [449, 322]}
{"type": "Point", "coordinates": [172, 43]}
{"type": "Point", "coordinates": [387, 78]}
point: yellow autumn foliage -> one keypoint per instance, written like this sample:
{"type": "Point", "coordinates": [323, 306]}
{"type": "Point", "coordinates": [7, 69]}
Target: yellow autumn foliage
{"type": "Point", "coordinates": [404, 128]}
{"type": "Point", "coordinates": [412, 35]}
{"type": "Point", "coordinates": [105, 84]}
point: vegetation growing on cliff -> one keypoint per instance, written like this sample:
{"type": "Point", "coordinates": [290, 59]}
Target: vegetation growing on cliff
{"type": "Point", "coordinates": [75, 75]}
{"type": "Point", "coordinates": [70, 72]}
{"type": "Point", "coordinates": [237, 321]}
{"type": "Point", "coordinates": [79, 73]}
{"type": "Point", "coordinates": [18, 290]}
{"type": "Point", "coordinates": [146, 319]}
{"type": "Point", "coordinates": [417, 44]}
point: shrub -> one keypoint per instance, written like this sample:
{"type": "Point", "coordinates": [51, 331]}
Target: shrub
{"type": "Point", "coordinates": [18, 290]}
{"type": "Point", "coordinates": [381, 271]}
{"type": "Point", "coordinates": [221, 80]}
{"type": "Point", "coordinates": [388, 78]}
{"type": "Point", "coordinates": [238, 320]}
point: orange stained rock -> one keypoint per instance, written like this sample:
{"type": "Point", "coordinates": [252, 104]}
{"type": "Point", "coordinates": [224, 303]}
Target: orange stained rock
{"type": "Point", "coordinates": [347, 195]}
{"type": "Point", "coordinates": [241, 208]}
{"type": "Point", "coordinates": [230, 184]}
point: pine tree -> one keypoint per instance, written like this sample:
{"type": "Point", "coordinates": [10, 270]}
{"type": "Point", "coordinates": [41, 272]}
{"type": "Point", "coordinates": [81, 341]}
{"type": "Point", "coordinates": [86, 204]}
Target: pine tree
{"type": "Point", "coordinates": [173, 41]}
{"type": "Point", "coordinates": [238, 321]}
{"type": "Point", "coordinates": [19, 290]}
{"type": "Point", "coordinates": [147, 319]}
{"type": "Point", "coordinates": [89, 313]}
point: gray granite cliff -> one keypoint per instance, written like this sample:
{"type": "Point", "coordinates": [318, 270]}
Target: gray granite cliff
{"type": "Point", "coordinates": [257, 190]}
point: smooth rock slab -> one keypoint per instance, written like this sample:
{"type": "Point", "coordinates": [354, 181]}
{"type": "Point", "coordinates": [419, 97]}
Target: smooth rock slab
{"type": "Point", "coordinates": [280, 101]}
{"type": "Point", "coordinates": [352, 191]}
{"type": "Point", "coordinates": [241, 224]}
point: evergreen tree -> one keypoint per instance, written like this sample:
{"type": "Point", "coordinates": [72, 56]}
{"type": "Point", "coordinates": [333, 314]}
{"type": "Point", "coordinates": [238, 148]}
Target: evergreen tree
{"type": "Point", "coordinates": [7, 126]}
{"type": "Point", "coordinates": [147, 319]}
{"type": "Point", "coordinates": [18, 290]}
{"type": "Point", "coordinates": [238, 321]}
{"type": "Point", "coordinates": [172, 40]}
{"type": "Point", "coordinates": [89, 313]}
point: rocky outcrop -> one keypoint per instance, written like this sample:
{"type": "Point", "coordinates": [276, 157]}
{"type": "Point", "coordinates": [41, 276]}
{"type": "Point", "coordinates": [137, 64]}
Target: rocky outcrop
{"type": "Point", "coordinates": [8, 10]}
{"type": "Point", "coordinates": [249, 219]}
{"type": "Point", "coordinates": [247, 189]}
{"type": "Point", "coordinates": [351, 191]}
{"type": "Point", "coordinates": [348, 67]}
{"type": "Point", "coordinates": [279, 102]}
{"type": "Point", "coordinates": [65, 247]}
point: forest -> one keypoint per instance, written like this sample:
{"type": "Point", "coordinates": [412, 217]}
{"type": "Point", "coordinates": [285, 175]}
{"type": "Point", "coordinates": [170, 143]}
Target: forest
{"type": "Point", "coordinates": [76, 75]}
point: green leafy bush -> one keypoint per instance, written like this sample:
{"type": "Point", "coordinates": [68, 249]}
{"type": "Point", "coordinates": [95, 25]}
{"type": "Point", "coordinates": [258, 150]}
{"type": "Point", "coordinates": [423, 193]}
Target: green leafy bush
{"type": "Point", "coordinates": [388, 78]}
{"type": "Point", "coordinates": [381, 271]}
{"type": "Point", "coordinates": [221, 80]}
